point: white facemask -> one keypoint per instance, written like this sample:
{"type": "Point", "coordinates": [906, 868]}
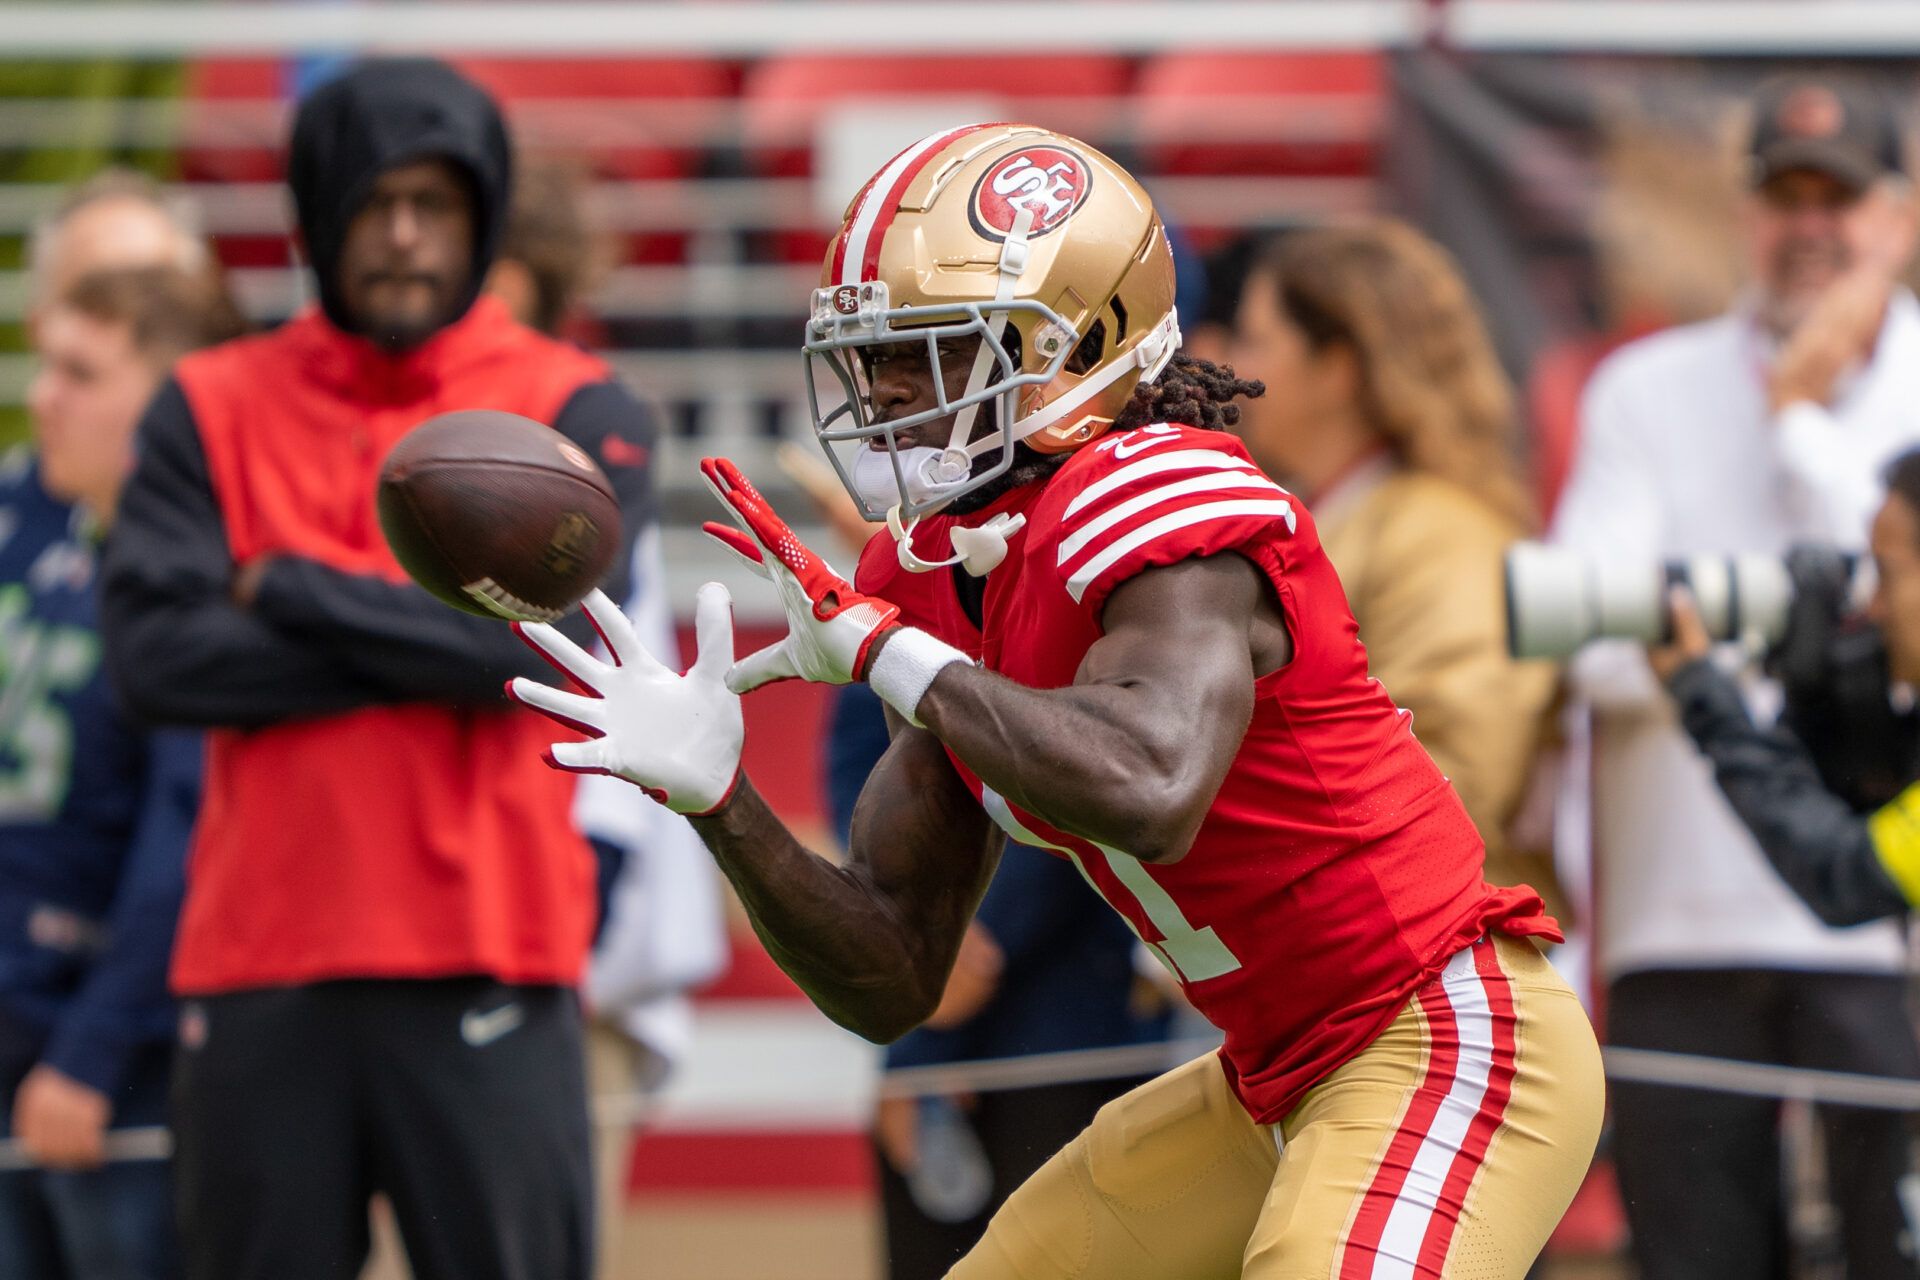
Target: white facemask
{"type": "Point", "coordinates": [926, 468]}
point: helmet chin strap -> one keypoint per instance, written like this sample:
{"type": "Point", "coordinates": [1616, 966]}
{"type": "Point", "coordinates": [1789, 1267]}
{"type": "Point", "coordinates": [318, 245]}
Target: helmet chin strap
{"type": "Point", "coordinates": [979, 551]}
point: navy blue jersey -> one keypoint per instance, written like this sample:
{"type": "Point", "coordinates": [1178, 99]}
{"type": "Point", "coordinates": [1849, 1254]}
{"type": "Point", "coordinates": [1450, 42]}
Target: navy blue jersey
{"type": "Point", "coordinates": [94, 813]}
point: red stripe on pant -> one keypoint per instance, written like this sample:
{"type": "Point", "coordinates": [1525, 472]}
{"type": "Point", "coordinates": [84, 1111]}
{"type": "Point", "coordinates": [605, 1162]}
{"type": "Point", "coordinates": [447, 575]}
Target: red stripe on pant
{"type": "Point", "coordinates": [1486, 1122]}
{"type": "Point", "coordinates": [1443, 1057]}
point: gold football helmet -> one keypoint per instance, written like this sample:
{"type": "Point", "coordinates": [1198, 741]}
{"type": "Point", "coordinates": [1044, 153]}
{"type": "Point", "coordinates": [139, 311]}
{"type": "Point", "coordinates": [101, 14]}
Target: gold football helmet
{"type": "Point", "coordinates": [1045, 249]}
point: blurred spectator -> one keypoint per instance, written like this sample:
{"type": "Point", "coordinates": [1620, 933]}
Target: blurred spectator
{"type": "Point", "coordinates": [387, 908]}
{"type": "Point", "coordinates": [552, 254]}
{"type": "Point", "coordinates": [1223, 274]}
{"type": "Point", "coordinates": [662, 934]}
{"type": "Point", "coordinates": [117, 218]}
{"type": "Point", "coordinates": [1389, 413]}
{"type": "Point", "coordinates": [661, 930]}
{"type": "Point", "coordinates": [1849, 858]}
{"type": "Point", "coordinates": [94, 813]}
{"type": "Point", "coordinates": [1745, 433]}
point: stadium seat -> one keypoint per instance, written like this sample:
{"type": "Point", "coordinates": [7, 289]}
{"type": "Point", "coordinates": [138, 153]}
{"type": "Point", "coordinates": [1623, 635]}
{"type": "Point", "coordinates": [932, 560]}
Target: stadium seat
{"type": "Point", "coordinates": [551, 101]}
{"type": "Point", "coordinates": [785, 99]}
{"type": "Point", "coordinates": [1262, 113]}
{"type": "Point", "coordinates": [631, 119]}
{"type": "Point", "coordinates": [231, 119]}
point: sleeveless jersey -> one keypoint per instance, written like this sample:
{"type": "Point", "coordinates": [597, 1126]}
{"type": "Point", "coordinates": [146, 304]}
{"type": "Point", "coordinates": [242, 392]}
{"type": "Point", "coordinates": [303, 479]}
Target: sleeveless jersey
{"type": "Point", "coordinates": [402, 840]}
{"type": "Point", "coordinates": [1336, 871]}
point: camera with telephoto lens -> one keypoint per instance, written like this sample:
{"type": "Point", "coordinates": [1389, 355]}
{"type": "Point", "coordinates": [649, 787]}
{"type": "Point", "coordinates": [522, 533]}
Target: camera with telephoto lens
{"type": "Point", "coordinates": [1804, 612]}
{"type": "Point", "coordinates": [1558, 600]}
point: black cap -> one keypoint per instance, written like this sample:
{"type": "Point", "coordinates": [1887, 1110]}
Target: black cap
{"type": "Point", "coordinates": [1837, 129]}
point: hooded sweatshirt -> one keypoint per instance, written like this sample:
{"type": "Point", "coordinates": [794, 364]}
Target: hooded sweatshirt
{"type": "Point", "coordinates": [380, 115]}
{"type": "Point", "coordinates": [374, 807]}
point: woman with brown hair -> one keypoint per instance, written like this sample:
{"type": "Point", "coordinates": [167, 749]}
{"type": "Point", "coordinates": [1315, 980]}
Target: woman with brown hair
{"type": "Point", "coordinates": [1387, 412]}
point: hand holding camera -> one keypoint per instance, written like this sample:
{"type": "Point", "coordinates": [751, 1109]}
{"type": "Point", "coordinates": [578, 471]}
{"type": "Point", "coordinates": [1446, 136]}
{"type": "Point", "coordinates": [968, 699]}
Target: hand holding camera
{"type": "Point", "coordinates": [1690, 641]}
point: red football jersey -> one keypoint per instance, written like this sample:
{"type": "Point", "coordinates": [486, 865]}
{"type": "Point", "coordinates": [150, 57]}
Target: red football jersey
{"type": "Point", "coordinates": [1336, 871]}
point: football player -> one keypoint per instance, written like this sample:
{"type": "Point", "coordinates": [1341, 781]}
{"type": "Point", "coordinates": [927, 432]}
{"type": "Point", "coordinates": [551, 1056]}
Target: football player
{"type": "Point", "coordinates": [1101, 630]}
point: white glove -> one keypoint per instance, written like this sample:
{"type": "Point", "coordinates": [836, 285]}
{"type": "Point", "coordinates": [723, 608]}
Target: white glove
{"type": "Point", "coordinates": [676, 737]}
{"type": "Point", "coordinates": [830, 626]}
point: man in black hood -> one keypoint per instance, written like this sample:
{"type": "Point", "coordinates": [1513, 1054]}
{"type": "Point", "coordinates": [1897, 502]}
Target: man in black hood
{"type": "Point", "coordinates": [388, 905]}
{"type": "Point", "coordinates": [406, 130]}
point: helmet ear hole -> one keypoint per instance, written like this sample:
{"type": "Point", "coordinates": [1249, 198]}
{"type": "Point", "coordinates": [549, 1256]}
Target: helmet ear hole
{"type": "Point", "coordinates": [1010, 343]}
{"type": "Point", "coordinates": [1086, 356]}
{"type": "Point", "coordinates": [1119, 321]}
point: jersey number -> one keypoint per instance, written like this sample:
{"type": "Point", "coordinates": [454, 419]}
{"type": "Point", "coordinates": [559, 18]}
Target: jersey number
{"type": "Point", "coordinates": [1190, 954]}
{"type": "Point", "coordinates": [37, 663]}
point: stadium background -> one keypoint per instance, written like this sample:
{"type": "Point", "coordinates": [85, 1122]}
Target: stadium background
{"type": "Point", "coordinates": [1577, 156]}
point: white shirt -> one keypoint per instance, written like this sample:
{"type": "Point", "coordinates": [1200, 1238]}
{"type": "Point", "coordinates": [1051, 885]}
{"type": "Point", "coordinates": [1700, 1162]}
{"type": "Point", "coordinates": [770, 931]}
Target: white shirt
{"type": "Point", "coordinates": [1678, 456]}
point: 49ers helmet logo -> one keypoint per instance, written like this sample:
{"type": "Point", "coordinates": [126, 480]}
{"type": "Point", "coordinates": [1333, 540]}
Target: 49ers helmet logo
{"type": "Point", "coordinates": [1051, 181]}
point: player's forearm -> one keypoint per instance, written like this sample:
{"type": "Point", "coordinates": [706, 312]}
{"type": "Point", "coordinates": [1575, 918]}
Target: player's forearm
{"type": "Point", "coordinates": [826, 926]}
{"type": "Point", "coordinates": [1103, 761]}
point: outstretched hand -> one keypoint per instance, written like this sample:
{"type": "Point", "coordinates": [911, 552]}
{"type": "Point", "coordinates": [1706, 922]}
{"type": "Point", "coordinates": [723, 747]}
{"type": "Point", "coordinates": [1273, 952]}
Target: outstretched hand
{"type": "Point", "coordinates": [677, 737]}
{"type": "Point", "coordinates": [831, 628]}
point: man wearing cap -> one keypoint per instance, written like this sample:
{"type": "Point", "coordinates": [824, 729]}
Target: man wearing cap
{"type": "Point", "coordinates": [387, 906]}
{"type": "Point", "coordinates": [1761, 428]}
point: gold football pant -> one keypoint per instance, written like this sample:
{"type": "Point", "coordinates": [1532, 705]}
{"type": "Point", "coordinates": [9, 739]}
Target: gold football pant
{"type": "Point", "coordinates": [1449, 1147]}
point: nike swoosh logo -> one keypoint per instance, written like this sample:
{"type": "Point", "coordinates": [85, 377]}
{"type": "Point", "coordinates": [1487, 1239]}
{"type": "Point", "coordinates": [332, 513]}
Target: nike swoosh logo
{"type": "Point", "coordinates": [482, 1029]}
{"type": "Point", "coordinates": [1125, 451]}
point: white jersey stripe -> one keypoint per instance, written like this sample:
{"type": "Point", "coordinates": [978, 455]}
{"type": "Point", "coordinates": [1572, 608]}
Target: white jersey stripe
{"type": "Point", "coordinates": [1185, 460]}
{"type": "Point", "coordinates": [875, 203]}
{"type": "Point", "coordinates": [1165, 493]}
{"type": "Point", "coordinates": [1419, 1196]}
{"type": "Point", "coordinates": [1115, 551]}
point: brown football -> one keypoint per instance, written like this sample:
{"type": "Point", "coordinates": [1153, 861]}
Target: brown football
{"type": "Point", "coordinates": [498, 515]}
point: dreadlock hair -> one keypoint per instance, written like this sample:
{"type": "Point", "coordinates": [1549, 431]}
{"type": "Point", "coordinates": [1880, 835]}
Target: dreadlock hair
{"type": "Point", "coordinates": [1190, 392]}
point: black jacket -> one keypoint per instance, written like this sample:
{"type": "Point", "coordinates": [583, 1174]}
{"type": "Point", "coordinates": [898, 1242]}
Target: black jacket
{"type": "Point", "coordinates": [1822, 847]}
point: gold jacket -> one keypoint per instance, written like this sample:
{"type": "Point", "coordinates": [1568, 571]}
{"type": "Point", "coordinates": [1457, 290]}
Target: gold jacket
{"type": "Point", "coordinates": [1421, 561]}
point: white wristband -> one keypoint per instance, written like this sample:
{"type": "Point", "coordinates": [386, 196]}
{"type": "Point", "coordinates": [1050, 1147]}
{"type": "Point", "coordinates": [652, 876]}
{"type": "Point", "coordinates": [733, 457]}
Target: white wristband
{"type": "Point", "coordinates": [907, 664]}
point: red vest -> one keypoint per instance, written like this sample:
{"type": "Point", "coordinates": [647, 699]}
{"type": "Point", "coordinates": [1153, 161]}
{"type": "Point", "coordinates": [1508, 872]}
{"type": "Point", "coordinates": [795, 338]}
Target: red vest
{"type": "Point", "coordinates": [411, 840]}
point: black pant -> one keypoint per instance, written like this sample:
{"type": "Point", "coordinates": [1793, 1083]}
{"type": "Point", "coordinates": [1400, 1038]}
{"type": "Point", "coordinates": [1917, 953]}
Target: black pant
{"type": "Point", "coordinates": [1020, 1130]}
{"type": "Point", "coordinates": [463, 1100]}
{"type": "Point", "coordinates": [1700, 1170]}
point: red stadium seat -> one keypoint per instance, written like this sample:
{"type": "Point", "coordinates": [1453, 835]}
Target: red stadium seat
{"type": "Point", "coordinates": [555, 97]}
{"type": "Point", "coordinates": [785, 98]}
{"type": "Point", "coordinates": [1262, 113]}
{"type": "Point", "coordinates": [231, 101]}
{"type": "Point", "coordinates": [631, 119]}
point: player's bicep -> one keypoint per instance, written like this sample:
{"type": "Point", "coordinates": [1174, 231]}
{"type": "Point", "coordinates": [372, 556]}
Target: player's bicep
{"type": "Point", "coordinates": [1174, 671]}
{"type": "Point", "coordinates": [1186, 629]}
{"type": "Point", "coordinates": [923, 843]}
